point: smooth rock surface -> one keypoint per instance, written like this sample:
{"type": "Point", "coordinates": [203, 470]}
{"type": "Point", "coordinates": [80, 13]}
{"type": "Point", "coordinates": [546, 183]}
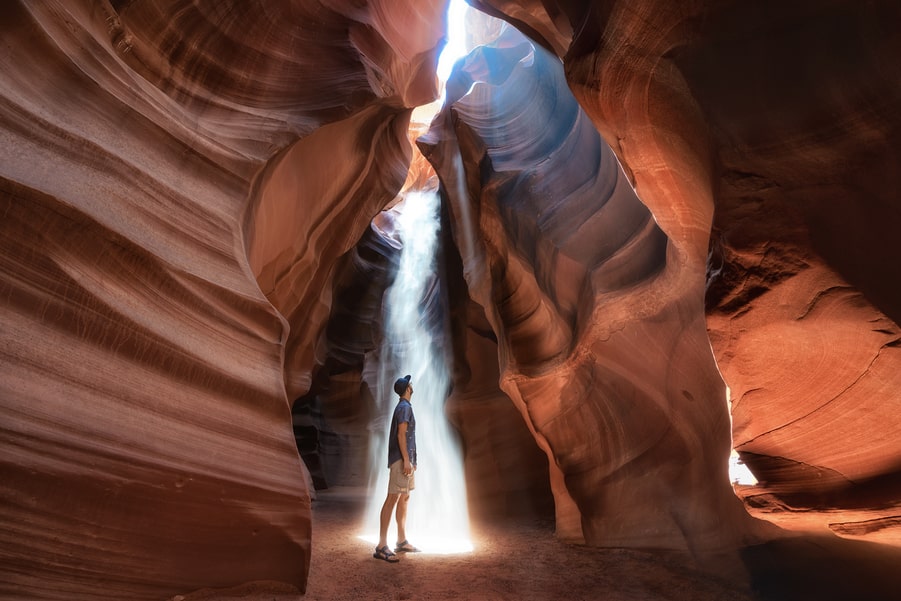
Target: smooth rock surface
{"type": "Point", "coordinates": [776, 129]}
{"type": "Point", "coordinates": [591, 306]}
{"type": "Point", "coordinates": [183, 186]}
{"type": "Point", "coordinates": [170, 194]}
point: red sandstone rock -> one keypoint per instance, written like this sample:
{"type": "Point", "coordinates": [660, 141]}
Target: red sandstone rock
{"type": "Point", "coordinates": [600, 348]}
{"type": "Point", "coordinates": [180, 179]}
{"type": "Point", "coordinates": [780, 129]}
{"type": "Point", "coordinates": [155, 288]}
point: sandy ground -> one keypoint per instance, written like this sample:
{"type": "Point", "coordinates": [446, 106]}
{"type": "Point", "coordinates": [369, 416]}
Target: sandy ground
{"type": "Point", "coordinates": [523, 561]}
{"type": "Point", "coordinates": [511, 561]}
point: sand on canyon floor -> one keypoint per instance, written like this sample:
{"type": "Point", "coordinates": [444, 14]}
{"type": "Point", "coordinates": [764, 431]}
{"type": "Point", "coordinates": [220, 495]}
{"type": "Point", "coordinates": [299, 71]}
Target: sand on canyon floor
{"type": "Point", "coordinates": [524, 561]}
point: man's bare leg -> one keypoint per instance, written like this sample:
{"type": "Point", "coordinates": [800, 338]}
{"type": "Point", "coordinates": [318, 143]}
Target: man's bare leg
{"type": "Point", "coordinates": [402, 517]}
{"type": "Point", "coordinates": [385, 517]}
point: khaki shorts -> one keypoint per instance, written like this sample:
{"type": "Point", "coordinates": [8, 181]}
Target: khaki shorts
{"type": "Point", "coordinates": [398, 482]}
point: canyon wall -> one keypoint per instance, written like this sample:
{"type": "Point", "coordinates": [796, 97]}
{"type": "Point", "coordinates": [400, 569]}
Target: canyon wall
{"type": "Point", "coordinates": [173, 176]}
{"type": "Point", "coordinates": [184, 183]}
{"type": "Point", "coordinates": [776, 129]}
{"type": "Point", "coordinates": [599, 317]}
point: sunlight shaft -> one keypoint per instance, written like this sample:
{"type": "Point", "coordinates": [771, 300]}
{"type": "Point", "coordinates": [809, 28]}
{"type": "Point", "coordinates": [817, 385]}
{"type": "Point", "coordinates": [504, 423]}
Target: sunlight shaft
{"type": "Point", "coordinates": [437, 517]}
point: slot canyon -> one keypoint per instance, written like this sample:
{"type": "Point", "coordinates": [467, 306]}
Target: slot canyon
{"type": "Point", "coordinates": [669, 236]}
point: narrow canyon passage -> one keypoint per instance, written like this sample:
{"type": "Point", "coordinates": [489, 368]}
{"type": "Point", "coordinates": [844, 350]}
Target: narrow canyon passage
{"type": "Point", "coordinates": [668, 231]}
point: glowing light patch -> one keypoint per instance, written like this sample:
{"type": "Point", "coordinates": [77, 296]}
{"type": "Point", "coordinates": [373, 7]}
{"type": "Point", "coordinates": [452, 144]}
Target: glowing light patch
{"type": "Point", "coordinates": [432, 545]}
{"type": "Point", "coordinates": [456, 38]}
{"type": "Point", "coordinates": [455, 49]}
{"type": "Point", "coordinates": [437, 516]}
{"type": "Point", "coordinates": [739, 472]}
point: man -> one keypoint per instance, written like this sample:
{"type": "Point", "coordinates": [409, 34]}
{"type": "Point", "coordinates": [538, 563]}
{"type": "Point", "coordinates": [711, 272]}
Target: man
{"type": "Point", "coordinates": [402, 465]}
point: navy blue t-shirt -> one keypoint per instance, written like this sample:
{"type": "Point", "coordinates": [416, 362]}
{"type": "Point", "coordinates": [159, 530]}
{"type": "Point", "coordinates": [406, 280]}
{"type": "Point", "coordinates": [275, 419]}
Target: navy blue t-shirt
{"type": "Point", "coordinates": [403, 412]}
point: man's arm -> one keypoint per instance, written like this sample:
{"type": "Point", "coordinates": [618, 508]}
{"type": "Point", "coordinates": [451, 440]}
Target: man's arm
{"type": "Point", "coordinates": [402, 443]}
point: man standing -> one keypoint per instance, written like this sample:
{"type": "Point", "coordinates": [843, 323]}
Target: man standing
{"type": "Point", "coordinates": [402, 465]}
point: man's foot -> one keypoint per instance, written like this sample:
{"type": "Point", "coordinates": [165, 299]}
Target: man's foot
{"type": "Point", "coordinates": [385, 554]}
{"type": "Point", "coordinates": [405, 547]}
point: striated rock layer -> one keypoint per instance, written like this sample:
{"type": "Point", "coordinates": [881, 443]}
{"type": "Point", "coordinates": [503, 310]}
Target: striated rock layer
{"type": "Point", "coordinates": [598, 314]}
{"type": "Point", "coordinates": [805, 300]}
{"type": "Point", "coordinates": [778, 129]}
{"type": "Point", "coordinates": [173, 174]}
{"type": "Point", "coordinates": [183, 182]}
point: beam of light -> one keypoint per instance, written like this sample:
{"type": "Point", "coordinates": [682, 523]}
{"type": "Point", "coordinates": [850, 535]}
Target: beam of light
{"type": "Point", "coordinates": [457, 47]}
{"type": "Point", "coordinates": [456, 38]}
{"type": "Point", "coordinates": [437, 515]}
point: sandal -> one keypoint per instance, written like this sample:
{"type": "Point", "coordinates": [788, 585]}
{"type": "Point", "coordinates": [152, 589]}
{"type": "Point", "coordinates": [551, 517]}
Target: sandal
{"type": "Point", "coordinates": [385, 554]}
{"type": "Point", "coordinates": [405, 547]}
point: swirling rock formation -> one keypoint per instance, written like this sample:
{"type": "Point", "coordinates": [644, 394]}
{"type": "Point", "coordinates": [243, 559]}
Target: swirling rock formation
{"type": "Point", "coordinates": [579, 283]}
{"type": "Point", "coordinates": [184, 183]}
{"type": "Point", "coordinates": [805, 303]}
{"type": "Point", "coordinates": [779, 130]}
{"type": "Point", "coordinates": [173, 177]}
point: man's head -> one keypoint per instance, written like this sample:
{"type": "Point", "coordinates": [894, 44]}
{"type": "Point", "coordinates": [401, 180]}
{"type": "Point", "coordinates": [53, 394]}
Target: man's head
{"type": "Point", "coordinates": [402, 385]}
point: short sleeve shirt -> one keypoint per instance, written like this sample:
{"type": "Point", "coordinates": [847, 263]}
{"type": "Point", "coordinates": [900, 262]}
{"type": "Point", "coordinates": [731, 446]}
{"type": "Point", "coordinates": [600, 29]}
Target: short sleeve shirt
{"type": "Point", "coordinates": [403, 412]}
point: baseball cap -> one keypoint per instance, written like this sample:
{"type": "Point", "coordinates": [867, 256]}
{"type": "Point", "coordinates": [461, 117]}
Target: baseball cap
{"type": "Point", "coordinates": [400, 386]}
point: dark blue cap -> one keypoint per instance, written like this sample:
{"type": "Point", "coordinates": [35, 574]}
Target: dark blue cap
{"type": "Point", "coordinates": [400, 387]}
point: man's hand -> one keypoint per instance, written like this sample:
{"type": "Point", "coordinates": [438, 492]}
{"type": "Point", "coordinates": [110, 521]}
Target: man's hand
{"type": "Point", "coordinates": [408, 468]}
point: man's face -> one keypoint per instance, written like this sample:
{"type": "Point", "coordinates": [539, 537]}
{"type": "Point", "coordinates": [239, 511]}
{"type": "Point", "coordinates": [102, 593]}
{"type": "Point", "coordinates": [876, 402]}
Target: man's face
{"type": "Point", "coordinates": [410, 389]}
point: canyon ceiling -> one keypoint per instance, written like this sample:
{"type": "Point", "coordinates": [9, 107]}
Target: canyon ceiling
{"type": "Point", "coordinates": [656, 211]}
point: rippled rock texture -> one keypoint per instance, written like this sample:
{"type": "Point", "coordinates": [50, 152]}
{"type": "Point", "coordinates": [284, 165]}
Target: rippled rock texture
{"type": "Point", "coordinates": [599, 346]}
{"type": "Point", "coordinates": [805, 301]}
{"type": "Point", "coordinates": [184, 184]}
{"type": "Point", "coordinates": [178, 181]}
{"type": "Point", "coordinates": [778, 130]}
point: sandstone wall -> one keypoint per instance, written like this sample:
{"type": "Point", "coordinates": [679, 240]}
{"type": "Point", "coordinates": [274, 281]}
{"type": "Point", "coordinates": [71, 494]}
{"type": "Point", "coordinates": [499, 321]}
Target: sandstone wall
{"type": "Point", "coordinates": [776, 128]}
{"type": "Point", "coordinates": [598, 315]}
{"type": "Point", "coordinates": [172, 177]}
{"type": "Point", "coordinates": [180, 180]}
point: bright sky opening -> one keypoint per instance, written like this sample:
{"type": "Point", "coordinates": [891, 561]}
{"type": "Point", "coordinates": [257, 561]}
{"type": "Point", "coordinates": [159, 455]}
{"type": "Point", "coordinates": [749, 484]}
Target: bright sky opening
{"type": "Point", "coordinates": [456, 38]}
{"type": "Point", "coordinates": [454, 50]}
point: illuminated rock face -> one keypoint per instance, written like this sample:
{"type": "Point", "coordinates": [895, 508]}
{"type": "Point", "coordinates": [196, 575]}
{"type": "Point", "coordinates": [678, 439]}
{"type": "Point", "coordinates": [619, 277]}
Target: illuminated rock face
{"type": "Point", "coordinates": [779, 131]}
{"type": "Point", "coordinates": [805, 302]}
{"type": "Point", "coordinates": [181, 179]}
{"type": "Point", "coordinates": [600, 348]}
